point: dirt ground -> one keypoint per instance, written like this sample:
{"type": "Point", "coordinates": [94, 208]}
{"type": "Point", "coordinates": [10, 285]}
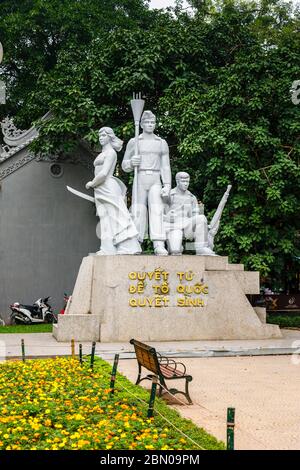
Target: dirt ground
{"type": "Point", "coordinates": [264, 390]}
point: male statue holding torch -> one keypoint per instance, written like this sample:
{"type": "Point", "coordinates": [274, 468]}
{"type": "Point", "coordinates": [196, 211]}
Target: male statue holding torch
{"type": "Point", "coordinates": [153, 182]}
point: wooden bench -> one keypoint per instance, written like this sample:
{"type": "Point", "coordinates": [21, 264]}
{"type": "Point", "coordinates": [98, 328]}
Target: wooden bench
{"type": "Point", "coordinates": [162, 367]}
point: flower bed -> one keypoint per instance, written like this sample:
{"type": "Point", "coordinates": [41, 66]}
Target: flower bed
{"type": "Point", "coordinates": [59, 404]}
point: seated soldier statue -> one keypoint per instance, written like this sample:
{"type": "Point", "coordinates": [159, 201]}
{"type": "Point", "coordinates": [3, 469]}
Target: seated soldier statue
{"type": "Point", "coordinates": [184, 221]}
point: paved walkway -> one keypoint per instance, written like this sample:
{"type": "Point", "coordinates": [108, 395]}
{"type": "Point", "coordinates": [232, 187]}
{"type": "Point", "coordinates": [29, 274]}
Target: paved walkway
{"type": "Point", "coordinates": [264, 391]}
{"type": "Point", "coordinates": [36, 345]}
{"type": "Point", "coordinates": [44, 344]}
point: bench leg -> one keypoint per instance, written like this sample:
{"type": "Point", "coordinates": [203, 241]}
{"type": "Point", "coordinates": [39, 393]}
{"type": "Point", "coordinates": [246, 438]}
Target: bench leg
{"type": "Point", "coordinates": [187, 392]}
{"type": "Point", "coordinates": [174, 391]}
{"type": "Point", "coordinates": [139, 374]}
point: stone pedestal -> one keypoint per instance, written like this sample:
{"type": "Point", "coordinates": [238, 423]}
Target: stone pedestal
{"type": "Point", "coordinates": [153, 298]}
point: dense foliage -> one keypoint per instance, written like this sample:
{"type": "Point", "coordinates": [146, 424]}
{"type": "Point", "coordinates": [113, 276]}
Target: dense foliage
{"type": "Point", "coordinates": [219, 81]}
{"type": "Point", "coordinates": [35, 32]}
{"type": "Point", "coordinates": [284, 321]}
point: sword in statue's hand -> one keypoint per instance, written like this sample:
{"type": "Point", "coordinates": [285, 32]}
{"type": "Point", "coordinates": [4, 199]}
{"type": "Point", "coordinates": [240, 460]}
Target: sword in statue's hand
{"type": "Point", "coordinates": [82, 195]}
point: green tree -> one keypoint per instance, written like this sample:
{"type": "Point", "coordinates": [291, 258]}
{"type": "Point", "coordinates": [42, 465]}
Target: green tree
{"type": "Point", "coordinates": [219, 81]}
{"type": "Point", "coordinates": [237, 125]}
{"type": "Point", "coordinates": [35, 32]}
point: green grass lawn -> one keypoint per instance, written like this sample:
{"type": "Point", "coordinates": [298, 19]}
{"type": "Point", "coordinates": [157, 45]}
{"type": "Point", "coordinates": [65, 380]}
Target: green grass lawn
{"type": "Point", "coordinates": [40, 328]}
{"type": "Point", "coordinates": [57, 404]}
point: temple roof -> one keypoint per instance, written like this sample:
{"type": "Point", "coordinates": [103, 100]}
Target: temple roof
{"type": "Point", "coordinates": [16, 139]}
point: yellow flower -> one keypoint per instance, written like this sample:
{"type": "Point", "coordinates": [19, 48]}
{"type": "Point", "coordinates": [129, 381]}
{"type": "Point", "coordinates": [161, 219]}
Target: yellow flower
{"type": "Point", "coordinates": [82, 443]}
{"type": "Point", "coordinates": [35, 426]}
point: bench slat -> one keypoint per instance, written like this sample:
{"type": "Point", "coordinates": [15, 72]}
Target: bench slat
{"type": "Point", "coordinates": [169, 372]}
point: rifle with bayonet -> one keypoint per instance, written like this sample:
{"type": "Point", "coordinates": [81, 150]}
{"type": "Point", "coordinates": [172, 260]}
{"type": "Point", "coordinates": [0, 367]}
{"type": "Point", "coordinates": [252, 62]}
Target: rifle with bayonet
{"type": "Point", "coordinates": [214, 225]}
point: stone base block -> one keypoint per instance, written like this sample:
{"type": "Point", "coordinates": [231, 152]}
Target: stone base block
{"type": "Point", "coordinates": [77, 327]}
{"type": "Point", "coordinates": [235, 267]}
{"type": "Point", "coordinates": [157, 298]}
{"type": "Point", "coordinates": [261, 313]}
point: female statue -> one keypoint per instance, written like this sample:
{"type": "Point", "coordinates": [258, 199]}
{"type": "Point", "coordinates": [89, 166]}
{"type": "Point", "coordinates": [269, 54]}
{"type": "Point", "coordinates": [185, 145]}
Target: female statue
{"type": "Point", "coordinates": [118, 232]}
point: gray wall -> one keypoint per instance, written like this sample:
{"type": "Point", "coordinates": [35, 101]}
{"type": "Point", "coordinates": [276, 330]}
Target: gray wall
{"type": "Point", "coordinates": [45, 231]}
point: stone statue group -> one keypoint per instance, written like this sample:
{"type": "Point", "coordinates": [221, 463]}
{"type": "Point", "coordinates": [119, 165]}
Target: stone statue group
{"type": "Point", "coordinates": [168, 216]}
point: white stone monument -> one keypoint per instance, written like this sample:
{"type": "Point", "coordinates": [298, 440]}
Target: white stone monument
{"type": "Point", "coordinates": [156, 297]}
{"type": "Point", "coordinates": [184, 221]}
{"type": "Point", "coordinates": [152, 181]}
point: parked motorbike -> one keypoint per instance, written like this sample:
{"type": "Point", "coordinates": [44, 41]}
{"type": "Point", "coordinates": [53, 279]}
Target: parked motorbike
{"type": "Point", "coordinates": [40, 312]}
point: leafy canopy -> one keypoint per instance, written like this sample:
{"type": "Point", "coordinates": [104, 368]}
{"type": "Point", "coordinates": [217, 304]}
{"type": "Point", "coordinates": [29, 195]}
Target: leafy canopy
{"type": "Point", "coordinates": [219, 82]}
{"type": "Point", "coordinates": [35, 32]}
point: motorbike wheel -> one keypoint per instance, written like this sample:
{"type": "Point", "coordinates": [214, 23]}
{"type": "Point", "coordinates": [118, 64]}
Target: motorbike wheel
{"type": "Point", "coordinates": [49, 318]}
{"type": "Point", "coordinates": [14, 321]}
